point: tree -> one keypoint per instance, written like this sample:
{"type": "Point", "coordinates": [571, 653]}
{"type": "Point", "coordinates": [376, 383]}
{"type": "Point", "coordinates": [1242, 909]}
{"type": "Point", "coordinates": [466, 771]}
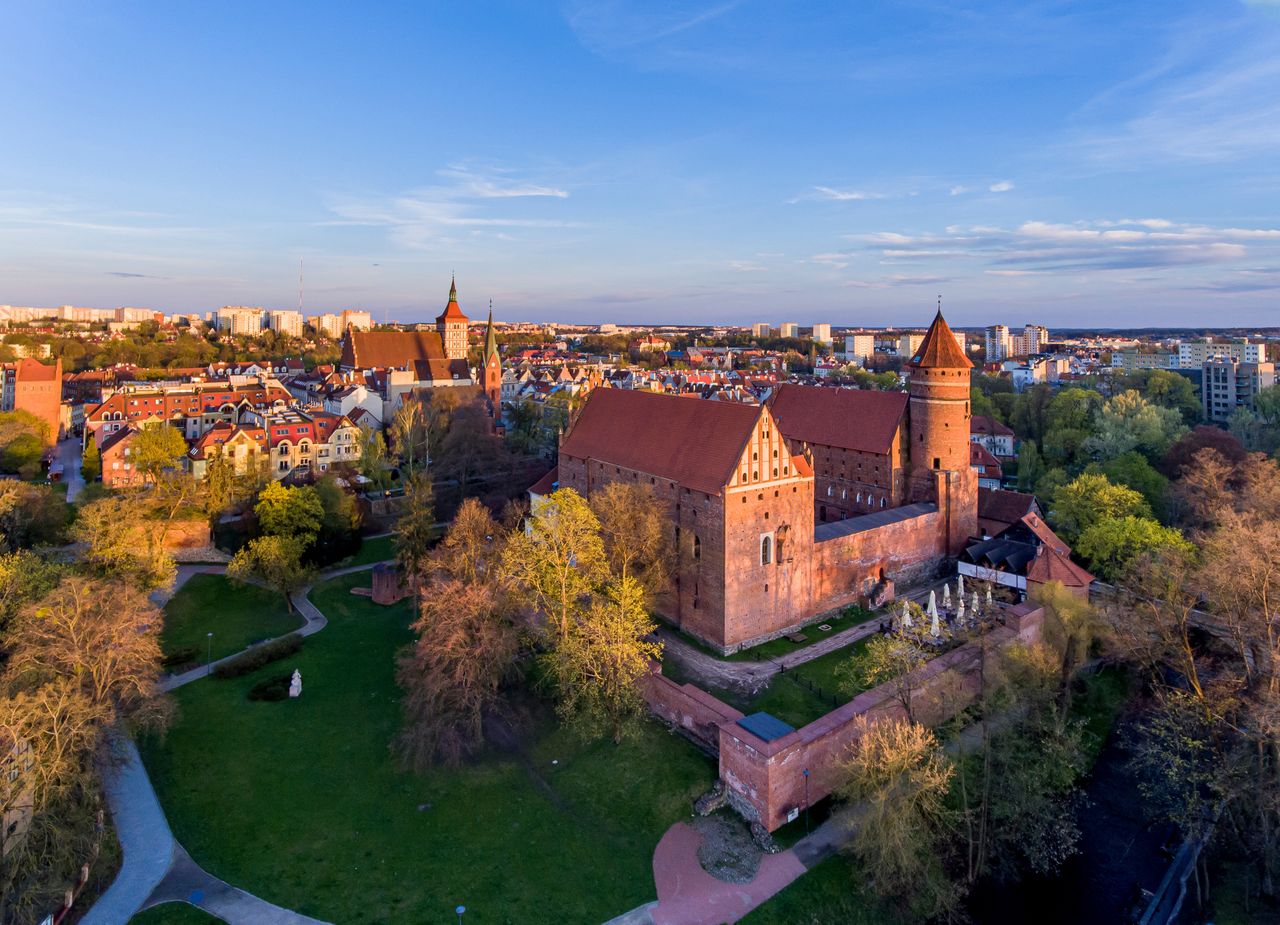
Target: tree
{"type": "Point", "coordinates": [339, 534]}
{"type": "Point", "coordinates": [103, 634]}
{"type": "Point", "coordinates": [31, 515]}
{"type": "Point", "coordinates": [598, 663]}
{"type": "Point", "coordinates": [409, 432]}
{"type": "Point", "coordinates": [472, 545]}
{"type": "Point", "coordinates": [24, 577]}
{"type": "Point", "coordinates": [1130, 422]}
{"type": "Point", "coordinates": [415, 530]}
{"type": "Point", "coordinates": [1133, 471]}
{"type": "Point", "coordinates": [157, 447]}
{"type": "Point", "coordinates": [1112, 544]}
{"type": "Point", "coordinates": [23, 438]}
{"type": "Point", "coordinates": [1090, 498]}
{"type": "Point", "coordinates": [373, 457]}
{"type": "Point", "coordinates": [1030, 466]}
{"type": "Point", "coordinates": [452, 675]}
{"type": "Point", "coordinates": [219, 485]}
{"type": "Point", "coordinates": [91, 462]}
{"type": "Point", "coordinates": [636, 531]}
{"type": "Point", "coordinates": [275, 561]}
{"type": "Point", "coordinates": [887, 659]}
{"type": "Point", "coordinates": [559, 562]}
{"type": "Point", "coordinates": [1183, 452]}
{"type": "Point", "coordinates": [899, 777]}
{"type": "Point", "coordinates": [1069, 422]}
{"type": "Point", "coordinates": [121, 540]}
{"type": "Point", "coordinates": [293, 512]}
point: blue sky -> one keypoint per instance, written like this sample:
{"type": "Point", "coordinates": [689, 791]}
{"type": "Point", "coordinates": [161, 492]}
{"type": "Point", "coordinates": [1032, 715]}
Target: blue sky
{"type": "Point", "coordinates": [1067, 163]}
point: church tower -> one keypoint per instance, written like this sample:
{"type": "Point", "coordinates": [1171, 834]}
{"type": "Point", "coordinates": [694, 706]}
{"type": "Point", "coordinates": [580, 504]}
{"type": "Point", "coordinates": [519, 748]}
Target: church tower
{"type": "Point", "coordinates": [491, 374]}
{"type": "Point", "coordinates": [452, 325]}
{"type": "Point", "coordinates": [939, 417]}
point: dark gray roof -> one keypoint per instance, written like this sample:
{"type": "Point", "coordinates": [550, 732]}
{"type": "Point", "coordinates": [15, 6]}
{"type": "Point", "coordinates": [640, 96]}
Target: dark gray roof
{"type": "Point", "coordinates": [765, 726]}
{"type": "Point", "coordinates": [870, 521]}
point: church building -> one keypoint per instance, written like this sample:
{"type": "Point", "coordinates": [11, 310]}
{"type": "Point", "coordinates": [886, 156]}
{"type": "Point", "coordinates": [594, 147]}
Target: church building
{"type": "Point", "coordinates": [787, 510]}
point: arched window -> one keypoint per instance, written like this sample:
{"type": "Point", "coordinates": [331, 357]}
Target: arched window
{"type": "Point", "coordinates": [766, 550]}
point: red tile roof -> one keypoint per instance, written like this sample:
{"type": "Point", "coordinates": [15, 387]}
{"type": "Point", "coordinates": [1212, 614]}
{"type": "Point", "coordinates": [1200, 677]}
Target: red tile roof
{"type": "Point", "coordinates": [30, 370]}
{"type": "Point", "coordinates": [391, 349]}
{"type": "Point", "coordinates": [1044, 534]}
{"type": "Point", "coordinates": [939, 348]}
{"type": "Point", "coordinates": [451, 311]}
{"type": "Point", "coordinates": [546, 484]}
{"type": "Point", "coordinates": [1053, 565]}
{"type": "Point", "coordinates": [984, 424]}
{"type": "Point", "coordinates": [854, 419]}
{"type": "Point", "coordinates": [694, 442]}
{"type": "Point", "coordinates": [979, 455]}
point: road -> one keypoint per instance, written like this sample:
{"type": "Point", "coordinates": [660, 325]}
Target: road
{"type": "Point", "coordinates": [69, 456]}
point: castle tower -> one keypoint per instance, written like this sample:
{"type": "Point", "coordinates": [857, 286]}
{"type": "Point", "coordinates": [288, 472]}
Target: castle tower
{"type": "Point", "coordinates": [491, 374]}
{"type": "Point", "coordinates": [939, 412]}
{"type": "Point", "coordinates": [452, 325]}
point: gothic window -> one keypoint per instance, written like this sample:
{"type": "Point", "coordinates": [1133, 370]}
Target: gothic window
{"type": "Point", "coordinates": [766, 549]}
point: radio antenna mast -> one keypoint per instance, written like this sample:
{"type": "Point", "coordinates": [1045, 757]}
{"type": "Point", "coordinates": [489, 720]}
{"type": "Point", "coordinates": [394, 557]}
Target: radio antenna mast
{"type": "Point", "coordinates": [299, 285]}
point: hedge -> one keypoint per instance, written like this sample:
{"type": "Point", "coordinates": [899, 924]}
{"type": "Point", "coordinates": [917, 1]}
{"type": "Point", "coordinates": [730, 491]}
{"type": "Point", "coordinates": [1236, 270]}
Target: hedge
{"type": "Point", "coordinates": [253, 659]}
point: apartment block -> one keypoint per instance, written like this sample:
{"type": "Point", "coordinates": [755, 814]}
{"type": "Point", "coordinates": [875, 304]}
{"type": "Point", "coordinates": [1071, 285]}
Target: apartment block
{"type": "Point", "coordinates": [1228, 384]}
{"type": "Point", "coordinates": [1195, 354]}
{"type": "Point", "coordinates": [822, 333]}
{"type": "Point", "coordinates": [788, 329]}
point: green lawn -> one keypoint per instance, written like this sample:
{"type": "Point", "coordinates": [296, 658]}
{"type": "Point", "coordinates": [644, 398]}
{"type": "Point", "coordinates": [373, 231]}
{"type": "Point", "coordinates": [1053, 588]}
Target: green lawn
{"type": "Point", "coordinates": [378, 549]}
{"type": "Point", "coordinates": [829, 894]}
{"type": "Point", "coordinates": [852, 615]}
{"type": "Point", "coordinates": [301, 802]}
{"type": "Point", "coordinates": [173, 914]}
{"type": "Point", "coordinates": [237, 614]}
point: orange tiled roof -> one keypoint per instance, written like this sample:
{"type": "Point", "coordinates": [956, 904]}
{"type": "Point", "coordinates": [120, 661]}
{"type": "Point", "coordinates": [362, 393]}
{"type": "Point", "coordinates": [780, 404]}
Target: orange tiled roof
{"type": "Point", "coordinates": [854, 419]}
{"type": "Point", "coordinates": [1052, 565]}
{"type": "Point", "coordinates": [939, 348]}
{"type": "Point", "coordinates": [390, 349]}
{"type": "Point", "coordinates": [696, 443]}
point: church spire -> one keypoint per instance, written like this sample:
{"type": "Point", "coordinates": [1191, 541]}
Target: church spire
{"type": "Point", "coordinates": [453, 288]}
{"type": "Point", "coordinates": [490, 338]}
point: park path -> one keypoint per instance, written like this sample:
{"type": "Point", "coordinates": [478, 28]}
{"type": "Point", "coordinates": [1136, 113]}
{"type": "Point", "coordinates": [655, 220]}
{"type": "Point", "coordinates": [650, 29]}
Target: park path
{"type": "Point", "coordinates": [156, 869]}
{"type": "Point", "coordinates": [69, 456]}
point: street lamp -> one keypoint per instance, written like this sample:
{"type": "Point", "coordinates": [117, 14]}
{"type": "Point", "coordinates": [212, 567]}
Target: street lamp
{"type": "Point", "coordinates": [208, 662]}
{"type": "Point", "coordinates": [806, 801]}
{"type": "Point", "coordinates": [460, 910]}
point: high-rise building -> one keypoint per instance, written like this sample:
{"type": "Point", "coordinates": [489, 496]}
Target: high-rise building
{"type": "Point", "coordinates": [908, 344]}
{"type": "Point", "coordinates": [997, 342]}
{"type": "Point", "coordinates": [360, 320]}
{"type": "Point", "coordinates": [1193, 355]}
{"type": "Point", "coordinates": [788, 329]}
{"type": "Point", "coordinates": [1227, 384]}
{"type": "Point", "coordinates": [822, 333]}
{"type": "Point", "coordinates": [860, 348]}
{"type": "Point", "coordinates": [240, 319]}
{"type": "Point", "coordinates": [285, 322]}
{"type": "Point", "coordinates": [1031, 340]}
{"type": "Point", "coordinates": [760, 329]}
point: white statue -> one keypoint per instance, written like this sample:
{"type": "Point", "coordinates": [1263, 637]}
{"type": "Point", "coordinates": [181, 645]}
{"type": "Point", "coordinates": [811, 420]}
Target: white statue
{"type": "Point", "coordinates": [906, 615]}
{"type": "Point", "coordinates": [295, 683]}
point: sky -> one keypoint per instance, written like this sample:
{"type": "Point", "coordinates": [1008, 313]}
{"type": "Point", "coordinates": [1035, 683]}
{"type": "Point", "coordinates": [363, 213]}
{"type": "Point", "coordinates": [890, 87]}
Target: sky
{"type": "Point", "coordinates": [1064, 163]}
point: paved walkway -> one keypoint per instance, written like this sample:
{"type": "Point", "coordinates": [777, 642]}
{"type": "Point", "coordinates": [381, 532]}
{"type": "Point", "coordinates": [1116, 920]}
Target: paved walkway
{"type": "Point", "coordinates": [69, 456]}
{"type": "Point", "coordinates": [156, 869]}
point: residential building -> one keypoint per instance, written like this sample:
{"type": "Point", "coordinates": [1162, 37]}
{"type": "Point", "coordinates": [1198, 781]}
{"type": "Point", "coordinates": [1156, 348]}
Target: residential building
{"type": "Point", "coordinates": [998, 342]}
{"type": "Point", "coordinates": [822, 333]}
{"type": "Point", "coordinates": [990, 472]}
{"type": "Point", "coordinates": [760, 329]}
{"type": "Point", "coordinates": [34, 387]}
{"type": "Point", "coordinates": [788, 329]}
{"type": "Point", "coordinates": [1195, 354]}
{"type": "Point", "coordinates": [285, 322]}
{"type": "Point", "coordinates": [1140, 359]}
{"type": "Point", "coordinates": [860, 348]}
{"type": "Point", "coordinates": [239, 320]}
{"type": "Point", "coordinates": [1030, 341]}
{"type": "Point", "coordinates": [245, 447]}
{"type": "Point", "coordinates": [998, 439]}
{"type": "Point", "coordinates": [304, 444]}
{"type": "Point", "coordinates": [118, 470]}
{"type": "Point", "coordinates": [1228, 384]}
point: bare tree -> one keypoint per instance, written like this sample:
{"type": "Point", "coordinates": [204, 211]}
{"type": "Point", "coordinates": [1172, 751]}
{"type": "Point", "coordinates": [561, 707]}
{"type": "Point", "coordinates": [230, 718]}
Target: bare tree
{"type": "Point", "coordinates": [636, 528]}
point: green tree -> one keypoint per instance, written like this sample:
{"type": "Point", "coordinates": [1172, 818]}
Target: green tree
{"type": "Point", "coordinates": [636, 531]}
{"type": "Point", "coordinates": [91, 462]}
{"type": "Point", "coordinates": [1111, 545]}
{"type": "Point", "coordinates": [1091, 498]}
{"type": "Point", "coordinates": [1133, 471]}
{"type": "Point", "coordinates": [295, 512]}
{"type": "Point", "coordinates": [1129, 422]}
{"type": "Point", "coordinates": [157, 447]}
{"type": "Point", "coordinates": [1170, 390]}
{"type": "Point", "coordinates": [415, 530]}
{"type": "Point", "coordinates": [274, 561]}
{"type": "Point", "coordinates": [374, 457]}
{"type": "Point", "coordinates": [122, 540]}
{"type": "Point", "coordinates": [886, 660]}
{"type": "Point", "coordinates": [1030, 466]}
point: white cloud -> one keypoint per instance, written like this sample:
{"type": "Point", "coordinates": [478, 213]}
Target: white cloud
{"type": "Point", "coordinates": [958, 190]}
{"type": "Point", "coordinates": [831, 194]}
{"type": "Point", "coordinates": [1002, 187]}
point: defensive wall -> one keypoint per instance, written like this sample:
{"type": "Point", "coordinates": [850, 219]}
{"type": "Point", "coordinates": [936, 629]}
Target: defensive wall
{"type": "Point", "coordinates": [765, 780]}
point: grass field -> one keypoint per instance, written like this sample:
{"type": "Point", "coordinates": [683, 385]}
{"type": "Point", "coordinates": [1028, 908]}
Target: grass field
{"type": "Point", "coordinates": [302, 802]}
{"type": "Point", "coordinates": [173, 914]}
{"type": "Point", "coordinates": [827, 895]}
{"type": "Point", "coordinates": [377, 549]}
{"type": "Point", "coordinates": [237, 614]}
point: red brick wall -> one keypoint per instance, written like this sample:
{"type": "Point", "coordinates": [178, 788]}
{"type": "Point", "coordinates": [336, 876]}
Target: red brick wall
{"type": "Point", "coordinates": [693, 710]}
{"type": "Point", "coordinates": [41, 397]}
{"type": "Point", "coordinates": [766, 779]}
{"type": "Point", "coordinates": [847, 568]}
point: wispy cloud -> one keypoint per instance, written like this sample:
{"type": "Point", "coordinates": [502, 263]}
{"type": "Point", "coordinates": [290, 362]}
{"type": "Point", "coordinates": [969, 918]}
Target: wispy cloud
{"type": "Point", "coordinates": [442, 216]}
{"type": "Point", "coordinates": [125, 275]}
{"type": "Point", "coordinates": [606, 26]}
{"type": "Point", "coordinates": [1002, 187]}
{"type": "Point", "coordinates": [1038, 246]}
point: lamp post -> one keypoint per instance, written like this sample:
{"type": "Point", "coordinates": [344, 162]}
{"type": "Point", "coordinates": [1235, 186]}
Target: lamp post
{"type": "Point", "coordinates": [208, 662]}
{"type": "Point", "coordinates": [806, 801]}
{"type": "Point", "coordinates": [460, 910]}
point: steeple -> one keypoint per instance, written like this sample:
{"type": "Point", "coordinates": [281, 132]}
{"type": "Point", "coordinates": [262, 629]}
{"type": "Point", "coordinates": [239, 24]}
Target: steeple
{"type": "Point", "coordinates": [490, 338]}
{"type": "Point", "coordinates": [939, 349]}
{"type": "Point", "coordinates": [453, 288]}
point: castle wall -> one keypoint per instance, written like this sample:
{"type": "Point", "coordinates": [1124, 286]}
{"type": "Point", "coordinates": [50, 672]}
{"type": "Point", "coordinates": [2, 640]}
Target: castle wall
{"type": "Point", "coordinates": [847, 568]}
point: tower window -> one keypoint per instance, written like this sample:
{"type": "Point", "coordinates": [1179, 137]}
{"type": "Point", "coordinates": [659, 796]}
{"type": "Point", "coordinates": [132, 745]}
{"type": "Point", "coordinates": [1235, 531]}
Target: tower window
{"type": "Point", "coordinates": [766, 549]}
{"type": "Point", "coordinates": [937, 463]}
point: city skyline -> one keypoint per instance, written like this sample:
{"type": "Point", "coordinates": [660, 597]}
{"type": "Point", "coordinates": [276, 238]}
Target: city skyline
{"type": "Point", "coordinates": [695, 163]}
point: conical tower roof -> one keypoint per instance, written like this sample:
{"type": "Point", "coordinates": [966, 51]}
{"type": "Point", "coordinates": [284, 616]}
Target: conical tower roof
{"type": "Point", "coordinates": [452, 312]}
{"type": "Point", "coordinates": [490, 338]}
{"type": "Point", "coordinates": [939, 349]}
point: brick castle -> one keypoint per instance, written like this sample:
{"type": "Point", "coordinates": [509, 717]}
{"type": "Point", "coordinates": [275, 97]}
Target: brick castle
{"type": "Point", "coordinates": [819, 498]}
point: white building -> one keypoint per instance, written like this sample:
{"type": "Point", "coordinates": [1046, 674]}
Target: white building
{"type": "Point", "coordinates": [761, 330]}
{"type": "Point", "coordinates": [240, 319]}
{"type": "Point", "coordinates": [285, 322]}
{"type": "Point", "coordinates": [788, 329]}
{"type": "Point", "coordinates": [822, 333]}
{"type": "Point", "coordinates": [1195, 354]}
{"type": "Point", "coordinates": [860, 348]}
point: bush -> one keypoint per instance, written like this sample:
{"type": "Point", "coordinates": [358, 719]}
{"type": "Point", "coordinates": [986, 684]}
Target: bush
{"type": "Point", "coordinates": [273, 688]}
{"type": "Point", "coordinates": [250, 661]}
{"type": "Point", "coordinates": [183, 656]}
